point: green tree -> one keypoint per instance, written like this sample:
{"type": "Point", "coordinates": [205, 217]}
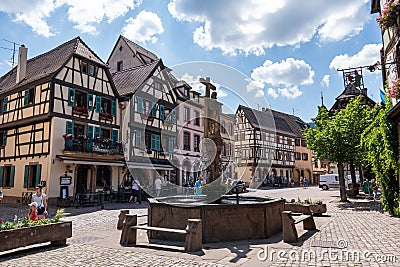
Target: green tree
{"type": "Point", "coordinates": [381, 145]}
{"type": "Point", "coordinates": [337, 138]}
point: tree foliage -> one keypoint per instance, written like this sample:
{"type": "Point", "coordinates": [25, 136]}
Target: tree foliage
{"type": "Point", "coordinates": [381, 145]}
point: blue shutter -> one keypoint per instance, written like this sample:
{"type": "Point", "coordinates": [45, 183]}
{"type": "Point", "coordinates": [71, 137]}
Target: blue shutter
{"type": "Point", "coordinates": [153, 142]}
{"type": "Point", "coordinates": [161, 112]}
{"type": "Point", "coordinates": [89, 135]}
{"type": "Point", "coordinates": [113, 108]}
{"type": "Point", "coordinates": [4, 138]}
{"type": "Point", "coordinates": [12, 174]}
{"type": "Point", "coordinates": [174, 115]}
{"type": "Point", "coordinates": [1, 175]}
{"type": "Point", "coordinates": [170, 144]}
{"type": "Point", "coordinates": [26, 176]}
{"type": "Point", "coordinates": [90, 101]}
{"type": "Point", "coordinates": [5, 100]}
{"type": "Point", "coordinates": [71, 97]}
{"type": "Point", "coordinates": [114, 137]}
{"type": "Point", "coordinates": [38, 173]}
{"type": "Point", "coordinates": [96, 132]}
{"type": "Point", "coordinates": [139, 108]}
{"type": "Point", "coordinates": [98, 104]}
{"type": "Point", "coordinates": [69, 129]}
{"type": "Point", "coordinates": [138, 138]}
{"type": "Point", "coordinates": [154, 110]}
{"type": "Point", "coordinates": [157, 142]}
{"type": "Point", "coordinates": [26, 98]}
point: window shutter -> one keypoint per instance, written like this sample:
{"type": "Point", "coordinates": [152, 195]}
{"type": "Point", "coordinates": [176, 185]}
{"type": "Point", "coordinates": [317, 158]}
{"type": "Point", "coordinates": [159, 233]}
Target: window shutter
{"type": "Point", "coordinates": [69, 127]}
{"type": "Point", "coordinates": [4, 138]}
{"type": "Point", "coordinates": [138, 137]}
{"type": "Point", "coordinates": [171, 144]}
{"type": "Point", "coordinates": [71, 97]}
{"type": "Point", "coordinates": [153, 142]}
{"type": "Point", "coordinates": [154, 110]}
{"type": "Point", "coordinates": [26, 98]}
{"type": "Point", "coordinates": [5, 100]}
{"type": "Point", "coordinates": [161, 112]}
{"type": "Point", "coordinates": [113, 108]}
{"type": "Point", "coordinates": [139, 108]}
{"type": "Point", "coordinates": [89, 135]}
{"type": "Point", "coordinates": [89, 103]}
{"type": "Point", "coordinates": [1, 175]}
{"type": "Point", "coordinates": [12, 174]}
{"type": "Point", "coordinates": [98, 104]}
{"type": "Point", "coordinates": [157, 142]}
{"type": "Point", "coordinates": [26, 176]}
{"type": "Point", "coordinates": [114, 136]}
{"type": "Point", "coordinates": [38, 173]}
{"type": "Point", "coordinates": [96, 132]}
{"type": "Point", "coordinates": [174, 115]}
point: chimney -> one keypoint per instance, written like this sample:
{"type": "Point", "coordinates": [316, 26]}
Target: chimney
{"type": "Point", "coordinates": [21, 68]}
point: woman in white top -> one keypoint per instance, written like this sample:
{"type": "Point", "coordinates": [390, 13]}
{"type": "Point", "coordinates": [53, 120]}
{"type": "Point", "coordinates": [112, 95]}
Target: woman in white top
{"type": "Point", "coordinates": [41, 199]}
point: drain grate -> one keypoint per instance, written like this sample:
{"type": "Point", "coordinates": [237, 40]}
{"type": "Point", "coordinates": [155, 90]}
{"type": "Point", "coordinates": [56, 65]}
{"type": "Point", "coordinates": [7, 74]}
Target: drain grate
{"type": "Point", "coordinates": [324, 244]}
{"type": "Point", "coordinates": [84, 239]}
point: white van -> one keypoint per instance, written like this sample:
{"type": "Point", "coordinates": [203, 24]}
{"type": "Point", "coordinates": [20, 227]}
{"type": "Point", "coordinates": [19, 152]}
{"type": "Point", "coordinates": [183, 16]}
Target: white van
{"type": "Point", "coordinates": [327, 181]}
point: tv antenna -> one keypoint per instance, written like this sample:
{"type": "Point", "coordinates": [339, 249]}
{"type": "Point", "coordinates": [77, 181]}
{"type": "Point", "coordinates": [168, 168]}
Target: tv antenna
{"type": "Point", "coordinates": [14, 49]}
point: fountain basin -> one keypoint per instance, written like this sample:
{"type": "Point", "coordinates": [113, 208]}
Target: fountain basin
{"type": "Point", "coordinates": [222, 220]}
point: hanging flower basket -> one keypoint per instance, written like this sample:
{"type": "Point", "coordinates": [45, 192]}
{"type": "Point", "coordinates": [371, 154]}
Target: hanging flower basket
{"type": "Point", "coordinates": [389, 14]}
{"type": "Point", "coordinates": [394, 89]}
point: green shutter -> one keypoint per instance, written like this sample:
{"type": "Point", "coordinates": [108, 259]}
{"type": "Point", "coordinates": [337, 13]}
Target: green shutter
{"type": "Point", "coordinates": [1, 175]}
{"type": "Point", "coordinates": [90, 101]}
{"type": "Point", "coordinates": [12, 174]}
{"type": "Point", "coordinates": [138, 138]}
{"type": "Point", "coordinates": [89, 135]}
{"type": "Point", "coordinates": [96, 132]}
{"type": "Point", "coordinates": [114, 136]}
{"type": "Point", "coordinates": [4, 138]}
{"type": "Point", "coordinates": [69, 129]}
{"type": "Point", "coordinates": [139, 108]}
{"type": "Point", "coordinates": [38, 173]}
{"type": "Point", "coordinates": [71, 97]}
{"type": "Point", "coordinates": [98, 104]}
{"type": "Point", "coordinates": [170, 144]}
{"type": "Point", "coordinates": [5, 100]}
{"type": "Point", "coordinates": [154, 110]}
{"type": "Point", "coordinates": [113, 108]}
{"type": "Point", "coordinates": [26, 98]}
{"type": "Point", "coordinates": [174, 115]}
{"type": "Point", "coordinates": [157, 142]}
{"type": "Point", "coordinates": [26, 176]}
{"type": "Point", "coordinates": [161, 112]}
{"type": "Point", "coordinates": [153, 142]}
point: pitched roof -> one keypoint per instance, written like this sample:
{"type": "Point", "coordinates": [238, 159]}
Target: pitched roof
{"type": "Point", "coordinates": [129, 80]}
{"type": "Point", "coordinates": [141, 50]}
{"type": "Point", "coordinates": [47, 64]}
{"type": "Point", "coordinates": [282, 122]}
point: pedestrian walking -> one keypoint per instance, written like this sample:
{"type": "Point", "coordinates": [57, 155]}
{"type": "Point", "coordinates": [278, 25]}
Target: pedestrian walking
{"type": "Point", "coordinates": [375, 190]}
{"type": "Point", "coordinates": [41, 200]}
{"type": "Point", "coordinates": [292, 182]}
{"type": "Point", "coordinates": [197, 185]}
{"type": "Point", "coordinates": [135, 191]}
{"type": "Point", "coordinates": [305, 181]}
{"type": "Point", "coordinates": [157, 184]}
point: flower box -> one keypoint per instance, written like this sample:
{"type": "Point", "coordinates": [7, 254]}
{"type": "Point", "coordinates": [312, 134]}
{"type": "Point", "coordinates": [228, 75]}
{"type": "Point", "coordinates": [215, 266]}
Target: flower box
{"type": "Point", "coordinates": [106, 116]}
{"type": "Point", "coordinates": [308, 209]}
{"type": "Point", "coordinates": [389, 14]}
{"type": "Point", "coordinates": [56, 233]}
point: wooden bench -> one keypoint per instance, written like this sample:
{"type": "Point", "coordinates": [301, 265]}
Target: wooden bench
{"type": "Point", "coordinates": [193, 232]}
{"type": "Point", "coordinates": [290, 219]}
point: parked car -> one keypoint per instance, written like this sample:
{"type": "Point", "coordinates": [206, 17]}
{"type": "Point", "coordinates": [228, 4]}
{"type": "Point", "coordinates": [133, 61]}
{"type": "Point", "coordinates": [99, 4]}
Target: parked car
{"type": "Point", "coordinates": [237, 186]}
{"type": "Point", "coordinates": [280, 181]}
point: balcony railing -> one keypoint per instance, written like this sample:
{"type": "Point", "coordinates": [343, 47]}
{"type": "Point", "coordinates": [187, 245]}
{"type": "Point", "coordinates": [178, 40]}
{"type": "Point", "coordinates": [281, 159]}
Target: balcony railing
{"type": "Point", "coordinates": [107, 146]}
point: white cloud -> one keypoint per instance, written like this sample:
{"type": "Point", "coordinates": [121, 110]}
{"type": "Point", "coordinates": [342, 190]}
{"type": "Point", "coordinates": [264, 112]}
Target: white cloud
{"type": "Point", "coordinates": [260, 93]}
{"type": "Point", "coordinates": [84, 14]}
{"type": "Point", "coordinates": [272, 92]}
{"type": "Point", "coordinates": [367, 56]}
{"type": "Point", "coordinates": [199, 87]}
{"type": "Point", "coordinates": [287, 72]}
{"type": "Point", "coordinates": [33, 13]}
{"type": "Point", "coordinates": [326, 80]}
{"type": "Point", "coordinates": [290, 92]}
{"type": "Point", "coordinates": [251, 26]}
{"type": "Point", "coordinates": [144, 27]}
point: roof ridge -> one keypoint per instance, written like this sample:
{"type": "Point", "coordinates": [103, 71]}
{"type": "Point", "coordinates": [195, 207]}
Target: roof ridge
{"type": "Point", "coordinates": [79, 40]}
{"type": "Point", "coordinates": [130, 41]}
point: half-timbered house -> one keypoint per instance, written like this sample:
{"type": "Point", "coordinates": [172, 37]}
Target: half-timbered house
{"type": "Point", "coordinates": [264, 145]}
{"type": "Point", "coordinates": [59, 124]}
{"type": "Point", "coordinates": [149, 123]}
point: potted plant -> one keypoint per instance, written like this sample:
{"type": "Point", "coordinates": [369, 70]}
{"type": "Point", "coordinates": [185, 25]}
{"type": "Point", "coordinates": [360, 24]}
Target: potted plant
{"type": "Point", "coordinates": [106, 116]}
{"type": "Point", "coordinates": [81, 110]}
{"type": "Point", "coordinates": [306, 206]}
{"type": "Point", "coordinates": [389, 14]}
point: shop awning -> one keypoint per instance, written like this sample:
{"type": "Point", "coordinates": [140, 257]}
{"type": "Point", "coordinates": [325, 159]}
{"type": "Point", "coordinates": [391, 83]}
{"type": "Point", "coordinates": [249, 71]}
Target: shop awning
{"type": "Point", "coordinates": [137, 165]}
{"type": "Point", "coordinates": [82, 161]}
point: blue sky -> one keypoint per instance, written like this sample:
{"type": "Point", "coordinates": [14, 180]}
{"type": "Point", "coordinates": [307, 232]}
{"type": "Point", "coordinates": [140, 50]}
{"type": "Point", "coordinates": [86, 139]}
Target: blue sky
{"type": "Point", "coordinates": [289, 51]}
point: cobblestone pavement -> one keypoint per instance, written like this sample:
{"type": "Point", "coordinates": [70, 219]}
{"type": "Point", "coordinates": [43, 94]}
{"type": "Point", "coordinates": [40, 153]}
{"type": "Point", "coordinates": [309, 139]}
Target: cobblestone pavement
{"type": "Point", "coordinates": [367, 237]}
